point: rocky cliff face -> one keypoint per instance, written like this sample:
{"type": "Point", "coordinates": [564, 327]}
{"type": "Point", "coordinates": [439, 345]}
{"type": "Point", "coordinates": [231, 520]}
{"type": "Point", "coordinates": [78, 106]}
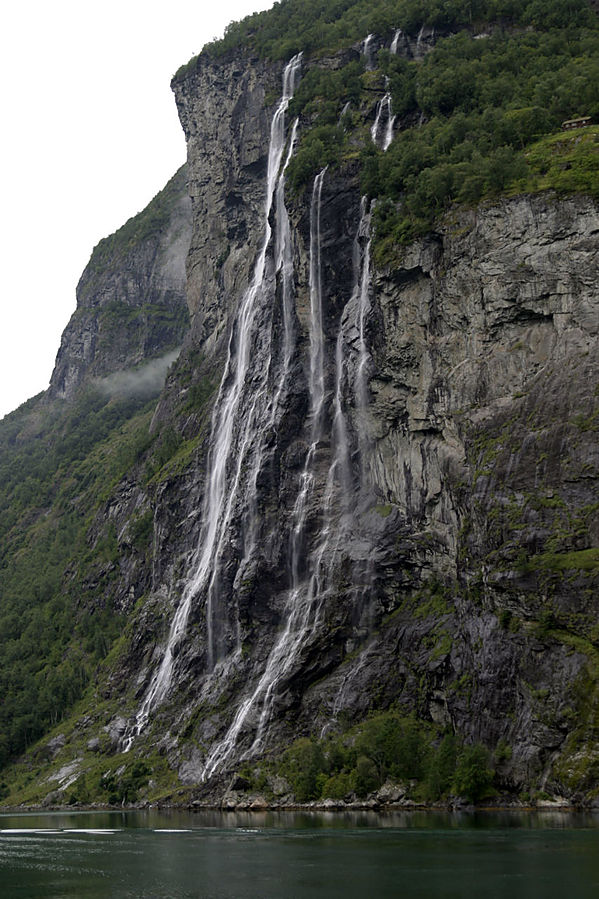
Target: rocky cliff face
{"type": "Point", "coordinates": [391, 498]}
{"type": "Point", "coordinates": [131, 303]}
{"type": "Point", "coordinates": [457, 578]}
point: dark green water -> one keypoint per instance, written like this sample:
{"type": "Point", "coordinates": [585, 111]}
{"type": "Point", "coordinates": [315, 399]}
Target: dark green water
{"type": "Point", "coordinates": [237, 856]}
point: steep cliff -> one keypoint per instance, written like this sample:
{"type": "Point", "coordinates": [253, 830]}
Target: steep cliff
{"type": "Point", "coordinates": [372, 483]}
{"type": "Point", "coordinates": [131, 304]}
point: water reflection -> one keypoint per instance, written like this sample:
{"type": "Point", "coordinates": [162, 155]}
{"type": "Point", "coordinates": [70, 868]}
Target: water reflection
{"type": "Point", "coordinates": [176, 820]}
{"type": "Point", "coordinates": [266, 855]}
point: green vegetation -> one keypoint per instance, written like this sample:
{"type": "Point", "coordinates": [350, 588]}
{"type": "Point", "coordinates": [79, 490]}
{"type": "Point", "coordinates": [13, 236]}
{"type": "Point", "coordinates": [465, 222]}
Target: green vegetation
{"type": "Point", "coordinates": [476, 119]}
{"type": "Point", "coordinates": [61, 557]}
{"type": "Point", "coordinates": [485, 112]}
{"type": "Point", "coordinates": [430, 764]}
{"type": "Point", "coordinates": [123, 787]}
{"type": "Point", "coordinates": [58, 465]}
{"type": "Point", "coordinates": [314, 26]}
{"type": "Point", "coordinates": [582, 560]}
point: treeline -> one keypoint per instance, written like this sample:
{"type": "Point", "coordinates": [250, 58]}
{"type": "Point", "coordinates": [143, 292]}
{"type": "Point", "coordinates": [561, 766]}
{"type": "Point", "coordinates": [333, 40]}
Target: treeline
{"type": "Point", "coordinates": [480, 106]}
{"type": "Point", "coordinates": [430, 764]}
{"type": "Point", "coordinates": [316, 25]}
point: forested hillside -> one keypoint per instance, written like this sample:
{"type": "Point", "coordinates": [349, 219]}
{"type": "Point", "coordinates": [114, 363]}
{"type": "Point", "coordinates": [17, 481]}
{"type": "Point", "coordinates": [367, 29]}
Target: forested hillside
{"type": "Point", "coordinates": [472, 116]}
{"type": "Point", "coordinates": [61, 459]}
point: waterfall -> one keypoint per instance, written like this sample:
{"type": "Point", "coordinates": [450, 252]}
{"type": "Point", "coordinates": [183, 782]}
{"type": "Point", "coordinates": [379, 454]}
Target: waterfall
{"type": "Point", "coordinates": [284, 266]}
{"type": "Point", "coordinates": [343, 112]}
{"type": "Point", "coordinates": [362, 312]}
{"type": "Point", "coordinates": [244, 403]}
{"type": "Point", "coordinates": [351, 341]}
{"type": "Point", "coordinates": [367, 51]}
{"type": "Point", "coordinates": [389, 129]}
{"type": "Point", "coordinates": [383, 109]}
{"type": "Point", "coordinates": [352, 331]}
{"type": "Point", "coordinates": [311, 571]}
{"type": "Point", "coordinates": [395, 41]}
{"type": "Point", "coordinates": [299, 599]}
{"type": "Point", "coordinates": [316, 332]}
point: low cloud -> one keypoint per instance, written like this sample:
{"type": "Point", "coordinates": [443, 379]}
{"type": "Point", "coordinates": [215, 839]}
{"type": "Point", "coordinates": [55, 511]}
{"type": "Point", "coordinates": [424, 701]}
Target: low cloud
{"type": "Point", "coordinates": [147, 380]}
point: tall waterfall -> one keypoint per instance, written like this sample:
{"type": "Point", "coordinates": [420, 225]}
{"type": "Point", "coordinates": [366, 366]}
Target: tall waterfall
{"type": "Point", "coordinates": [353, 360]}
{"type": "Point", "coordinates": [243, 405]}
{"type": "Point", "coordinates": [284, 267]}
{"type": "Point", "coordinates": [312, 568]}
{"type": "Point", "coordinates": [298, 605]}
{"type": "Point", "coordinates": [362, 292]}
{"type": "Point", "coordinates": [395, 41]}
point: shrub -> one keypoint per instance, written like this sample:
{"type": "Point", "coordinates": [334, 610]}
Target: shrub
{"type": "Point", "coordinates": [302, 764]}
{"type": "Point", "coordinates": [473, 775]}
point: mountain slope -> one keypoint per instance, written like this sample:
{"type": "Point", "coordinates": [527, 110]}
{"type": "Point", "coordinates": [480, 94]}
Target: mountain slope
{"type": "Point", "coordinates": [367, 518]}
{"type": "Point", "coordinates": [62, 454]}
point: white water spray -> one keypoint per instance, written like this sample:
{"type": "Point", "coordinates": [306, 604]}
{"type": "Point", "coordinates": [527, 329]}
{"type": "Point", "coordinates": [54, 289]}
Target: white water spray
{"type": "Point", "coordinates": [395, 41]}
{"type": "Point", "coordinates": [367, 51]}
{"type": "Point", "coordinates": [344, 112]}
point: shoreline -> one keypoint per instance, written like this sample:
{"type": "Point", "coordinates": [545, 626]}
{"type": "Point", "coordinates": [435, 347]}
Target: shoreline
{"type": "Point", "coordinates": [260, 806]}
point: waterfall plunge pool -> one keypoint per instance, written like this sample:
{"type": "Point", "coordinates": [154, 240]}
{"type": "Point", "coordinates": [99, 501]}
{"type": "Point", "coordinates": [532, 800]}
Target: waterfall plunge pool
{"type": "Point", "coordinates": [295, 855]}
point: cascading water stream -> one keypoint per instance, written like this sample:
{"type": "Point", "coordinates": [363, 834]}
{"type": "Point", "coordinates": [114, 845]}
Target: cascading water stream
{"type": "Point", "coordinates": [236, 424]}
{"type": "Point", "coordinates": [395, 41]}
{"type": "Point", "coordinates": [363, 309]}
{"type": "Point", "coordinates": [311, 572]}
{"type": "Point", "coordinates": [308, 598]}
{"type": "Point", "coordinates": [300, 597]}
{"type": "Point", "coordinates": [316, 331]}
{"type": "Point", "coordinates": [351, 340]}
{"type": "Point", "coordinates": [389, 129]}
{"type": "Point", "coordinates": [344, 112]}
{"type": "Point", "coordinates": [367, 51]}
{"type": "Point", "coordinates": [349, 323]}
{"type": "Point", "coordinates": [352, 346]}
{"type": "Point", "coordinates": [383, 110]}
{"type": "Point", "coordinates": [284, 268]}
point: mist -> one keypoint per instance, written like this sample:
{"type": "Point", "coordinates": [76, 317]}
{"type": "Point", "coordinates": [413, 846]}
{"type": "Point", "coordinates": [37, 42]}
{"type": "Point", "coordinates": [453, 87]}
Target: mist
{"type": "Point", "coordinates": [145, 381]}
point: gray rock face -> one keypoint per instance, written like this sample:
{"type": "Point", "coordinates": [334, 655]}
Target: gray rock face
{"type": "Point", "coordinates": [459, 577]}
{"type": "Point", "coordinates": [131, 300]}
{"type": "Point", "coordinates": [224, 113]}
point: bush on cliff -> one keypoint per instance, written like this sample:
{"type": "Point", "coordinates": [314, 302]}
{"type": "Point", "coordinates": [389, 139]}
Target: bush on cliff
{"type": "Point", "coordinates": [387, 746]}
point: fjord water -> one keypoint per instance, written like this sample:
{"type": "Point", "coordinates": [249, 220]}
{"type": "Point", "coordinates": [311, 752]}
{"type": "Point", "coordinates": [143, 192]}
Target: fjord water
{"type": "Point", "coordinates": [219, 855]}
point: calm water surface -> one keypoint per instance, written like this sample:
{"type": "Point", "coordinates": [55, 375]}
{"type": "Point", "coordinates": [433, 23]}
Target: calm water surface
{"type": "Point", "coordinates": [152, 855]}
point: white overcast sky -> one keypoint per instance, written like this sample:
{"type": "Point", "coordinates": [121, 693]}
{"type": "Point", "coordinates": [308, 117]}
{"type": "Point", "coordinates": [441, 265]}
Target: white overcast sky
{"type": "Point", "coordinates": [89, 135]}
